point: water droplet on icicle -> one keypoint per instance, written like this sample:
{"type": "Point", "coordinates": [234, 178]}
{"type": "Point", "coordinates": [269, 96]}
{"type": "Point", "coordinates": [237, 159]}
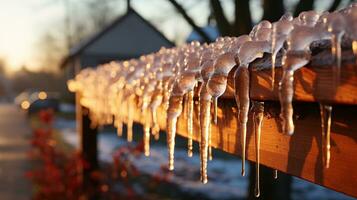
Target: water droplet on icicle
{"type": "Point", "coordinates": [325, 111]}
{"type": "Point", "coordinates": [258, 114]}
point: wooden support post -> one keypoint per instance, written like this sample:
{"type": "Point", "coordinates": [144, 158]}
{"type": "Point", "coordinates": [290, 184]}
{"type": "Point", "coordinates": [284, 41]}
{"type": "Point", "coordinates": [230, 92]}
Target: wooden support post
{"type": "Point", "coordinates": [88, 144]}
{"type": "Point", "coordinates": [270, 188]}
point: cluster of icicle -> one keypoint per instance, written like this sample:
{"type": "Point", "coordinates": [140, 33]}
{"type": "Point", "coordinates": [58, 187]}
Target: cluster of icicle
{"type": "Point", "coordinates": [169, 78]}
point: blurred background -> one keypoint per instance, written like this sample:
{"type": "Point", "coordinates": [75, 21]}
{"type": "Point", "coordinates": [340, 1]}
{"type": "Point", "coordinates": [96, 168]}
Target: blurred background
{"type": "Point", "coordinates": [43, 43]}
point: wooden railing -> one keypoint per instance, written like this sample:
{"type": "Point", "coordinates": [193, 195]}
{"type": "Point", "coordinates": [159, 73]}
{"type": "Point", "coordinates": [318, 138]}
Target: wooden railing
{"type": "Point", "coordinates": [301, 154]}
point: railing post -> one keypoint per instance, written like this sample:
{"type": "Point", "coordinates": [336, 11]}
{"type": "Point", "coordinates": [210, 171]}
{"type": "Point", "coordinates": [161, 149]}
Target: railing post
{"type": "Point", "coordinates": [87, 144]}
{"type": "Point", "coordinates": [277, 189]}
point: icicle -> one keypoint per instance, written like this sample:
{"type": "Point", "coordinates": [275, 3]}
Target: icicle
{"type": "Point", "coordinates": [215, 110]}
{"type": "Point", "coordinates": [130, 121]}
{"type": "Point", "coordinates": [292, 61]}
{"type": "Point", "coordinates": [258, 114]}
{"type": "Point", "coordinates": [325, 111]}
{"type": "Point", "coordinates": [241, 86]}
{"type": "Point", "coordinates": [297, 56]}
{"type": "Point", "coordinates": [210, 154]}
{"type": "Point", "coordinates": [146, 134]}
{"type": "Point", "coordinates": [171, 133]}
{"type": "Point", "coordinates": [350, 16]}
{"type": "Point", "coordinates": [273, 54]}
{"type": "Point", "coordinates": [280, 30]}
{"type": "Point", "coordinates": [286, 93]}
{"type": "Point", "coordinates": [275, 174]}
{"type": "Point", "coordinates": [336, 52]}
{"type": "Point", "coordinates": [190, 122]}
{"type": "Point", "coordinates": [205, 117]}
{"type": "Point", "coordinates": [156, 101]}
{"type": "Point", "coordinates": [174, 111]}
{"type": "Point", "coordinates": [156, 128]}
{"type": "Point", "coordinates": [247, 53]}
{"type": "Point", "coordinates": [205, 107]}
{"type": "Point", "coordinates": [119, 125]}
{"type": "Point", "coordinates": [336, 25]}
{"type": "Point", "coordinates": [354, 48]}
{"type": "Point", "coordinates": [118, 117]}
{"type": "Point", "coordinates": [273, 60]}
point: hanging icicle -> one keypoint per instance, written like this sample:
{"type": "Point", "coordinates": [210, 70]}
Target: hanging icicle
{"type": "Point", "coordinates": [258, 114]}
{"type": "Point", "coordinates": [325, 111]}
{"type": "Point", "coordinates": [247, 53]}
{"type": "Point", "coordinates": [297, 56]}
{"type": "Point", "coordinates": [190, 123]}
{"type": "Point", "coordinates": [205, 117]}
{"type": "Point", "coordinates": [280, 31]}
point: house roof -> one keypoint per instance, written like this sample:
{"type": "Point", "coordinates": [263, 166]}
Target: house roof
{"type": "Point", "coordinates": [211, 31]}
{"type": "Point", "coordinates": [81, 47]}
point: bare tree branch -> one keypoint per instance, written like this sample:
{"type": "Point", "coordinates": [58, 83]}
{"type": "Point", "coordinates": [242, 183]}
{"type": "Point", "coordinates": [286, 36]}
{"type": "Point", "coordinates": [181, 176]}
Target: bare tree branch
{"type": "Point", "coordinates": [334, 5]}
{"type": "Point", "coordinates": [243, 20]}
{"type": "Point", "coordinates": [223, 24]}
{"type": "Point", "coordinates": [189, 20]}
{"type": "Point", "coordinates": [303, 5]}
{"type": "Point", "coordinates": [273, 10]}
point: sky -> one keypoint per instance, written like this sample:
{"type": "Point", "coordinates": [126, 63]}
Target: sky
{"type": "Point", "coordinates": [23, 22]}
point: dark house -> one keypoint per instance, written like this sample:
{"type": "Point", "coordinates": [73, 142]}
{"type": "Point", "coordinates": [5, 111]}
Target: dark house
{"type": "Point", "coordinates": [127, 37]}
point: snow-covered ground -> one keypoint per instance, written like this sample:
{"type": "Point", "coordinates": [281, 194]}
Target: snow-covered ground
{"type": "Point", "coordinates": [225, 181]}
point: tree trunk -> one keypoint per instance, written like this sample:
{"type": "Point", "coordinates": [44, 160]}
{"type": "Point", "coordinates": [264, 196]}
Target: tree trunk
{"type": "Point", "coordinates": [303, 5]}
{"type": "Point", "coordinates": [243, 20]}
{"type": "Point", "coordinates": [273, 10]}
{"type": "Point", "coordinates": [223, 24]}
{"type": "Point", "coordinates": [270, 188]}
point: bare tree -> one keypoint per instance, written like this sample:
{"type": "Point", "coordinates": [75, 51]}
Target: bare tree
{"type": "Point", "coordinates": [50, 51]}
{"type": "Point", "coordinates": [242, 24]}
{"type": "Point", "coordinates": [90, 17]}
{"type": "Point", "coordinates": [189, 20]}
{"type": "Point", "coordinates": [100, 13]}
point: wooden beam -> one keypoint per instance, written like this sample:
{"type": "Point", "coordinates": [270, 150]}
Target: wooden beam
{"type": "Point", "coordinates": [312, 83]}
{"type": "Point", "coordinates": [299, 155]}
